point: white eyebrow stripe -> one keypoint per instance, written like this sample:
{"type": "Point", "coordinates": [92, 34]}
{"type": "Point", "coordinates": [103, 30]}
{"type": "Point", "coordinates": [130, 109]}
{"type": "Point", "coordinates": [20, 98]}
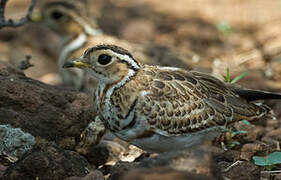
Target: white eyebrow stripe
{"type": "Point", "coordinates": [127, 58]}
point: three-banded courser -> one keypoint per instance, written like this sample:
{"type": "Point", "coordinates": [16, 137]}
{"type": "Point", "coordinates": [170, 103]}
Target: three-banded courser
{"type": "Point", "coordinates": [164, 108]}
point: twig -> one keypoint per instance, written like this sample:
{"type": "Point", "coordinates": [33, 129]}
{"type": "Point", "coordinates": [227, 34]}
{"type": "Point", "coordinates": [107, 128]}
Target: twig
{"type": "Point", "coordinates": [9, 22]}
{"type": "Point", "coordinates": [232, 165]}
{"type": "Point", "coordinates": [271, 172]}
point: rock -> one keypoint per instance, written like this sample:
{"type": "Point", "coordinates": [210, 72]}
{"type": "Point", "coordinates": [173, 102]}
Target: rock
{"type": "Point", "coordinates": [253, 132]}
{"type": "Point", "coordinates": [48, 161]}
{"type": "Point", "coordinates": [131, 154]}
{"type": "Point", "coordinates": [44, 111]}
{"type": "Point", "coordinates": [274, 134]}
{"type": "Point", "coordinates": [277, 177]}
{"type": "Point", "coordinates": [14, 142]}
{"type": "Point", "coordinates": [95, 175]}
{"type": "Point", "coordinates": [241, 171]}
{"type": "Point", "coordinates": [188, 161]}
{"type": "Point", "coordinates": [122, 168]}
{"type": "Point", "coordinates": [6, 159]}
{"type": "Point", "coordinates": [162, 174]}
{"type": "Point", "coordinates": [277, 110]}
{"type": "Point", "coordinates": [91, 136]}
{"type": "Point", "coordinates": [273, 138]}
{"type": "Point", "coordinates": [109, 150]}
{"type": "Point", "coordinates": [248, 150]}
{"type": "Point", "coordinates": [106, 152]}
{"type": "Point", "coordinates": [2, 170]}
{"type": "Point", "coordinates": [228, 156]}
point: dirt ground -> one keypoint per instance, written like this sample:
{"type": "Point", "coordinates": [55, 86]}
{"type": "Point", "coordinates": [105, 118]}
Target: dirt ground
{"type": "Point", "coordinates": [242, 35]}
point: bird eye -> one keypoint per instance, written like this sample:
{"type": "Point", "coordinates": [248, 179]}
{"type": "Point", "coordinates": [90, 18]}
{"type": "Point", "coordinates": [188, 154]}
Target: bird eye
{"type": "Point", "coordinates": [104, 59]}
{"type": "Point", "coordinates": [57, 15]}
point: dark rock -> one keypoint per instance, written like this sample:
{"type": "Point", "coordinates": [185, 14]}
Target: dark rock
{"type": "Point", "coordinates": [242, 171]}
{"type": "Point", "coordinates": [253, 132]}
{"type": "Point", "coordinates": [196, 161]}
{"type": "Point", "coordinates": [14, 142]}
{"type": "Point", "coordinates": [95, 175]}
{"type": "Point", "coordinates": [6, 159]}
{"type": "Point", "coordinates": [48, 162]}
{"type": "Point", "coordinates": [277, 177]}
{"type": "Point", "coordinates": [187, 160]}
{"type": "Point", "coordinates": [248, 150]}
{"type": "Point", "coordinates": [91, 136]}
{"type": "Point", "coordinates": [228, 156]}
{"type": "Point", "coordinates": [274, 134]}
{"type": "Point", "coordinates": [106, 152]}
{"type": "Point", "coordinates": [162, 174]}
{"type": "Point", "coordinates": [45, 111]}
{"type": "Point", "coordinates": [122, 168]}
{"type": "Point", "coordinates": [2, 170]}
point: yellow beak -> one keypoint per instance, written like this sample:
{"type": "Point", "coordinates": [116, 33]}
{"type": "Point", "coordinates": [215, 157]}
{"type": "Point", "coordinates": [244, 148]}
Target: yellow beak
{"type": "Point", "coordinates": [36, 17]}
{"type": "Point", "coordinates": [75, 63]}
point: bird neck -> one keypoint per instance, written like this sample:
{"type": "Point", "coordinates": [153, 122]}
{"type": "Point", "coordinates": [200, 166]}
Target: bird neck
{"type": "Point", "coordinates": [105, 90]}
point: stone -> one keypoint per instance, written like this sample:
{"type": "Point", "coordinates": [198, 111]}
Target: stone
{"type": "Point", "coordinates": [95, 175]}
{"type": "Point", "coordinates": [14, 142]}
{"type": "Point", "coordinates": [45, 111]}
{"type": "Point", "coordinates": [162, 174]}
{"type": "Point", "coordinates": [48, 161]}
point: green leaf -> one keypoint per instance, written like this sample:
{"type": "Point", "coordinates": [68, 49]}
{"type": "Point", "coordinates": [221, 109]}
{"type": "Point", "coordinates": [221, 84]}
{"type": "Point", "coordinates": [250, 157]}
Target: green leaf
{"type": "Point", "coordinates": [233, 144]}
{"type": "Point", "coordinates": [227, 130]}
{"type": "Point", "coordinates": [224, 27]}
{"type": "Point", "coordinates": [246, 122]}
{"type": "Point", "coordinates": [239, 132]}
{"type": "Point", "coordinates": [274, 158]}
{"type": "Point", "coordinates": [227, 76]}
{"type": "Point", "coordinates": [260, 161]}
{"type": "Point", "coordinates": [237, 78]}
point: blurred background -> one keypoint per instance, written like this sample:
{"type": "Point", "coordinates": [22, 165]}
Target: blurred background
{"type": "Point", "coordinates": [213, 35]}
{"type": "Point", "coordinates": [216, 34]}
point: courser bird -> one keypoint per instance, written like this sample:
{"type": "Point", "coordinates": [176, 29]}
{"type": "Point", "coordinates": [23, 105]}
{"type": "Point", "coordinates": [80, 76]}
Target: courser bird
{"type": "Point", "coordinates": [164, 108]}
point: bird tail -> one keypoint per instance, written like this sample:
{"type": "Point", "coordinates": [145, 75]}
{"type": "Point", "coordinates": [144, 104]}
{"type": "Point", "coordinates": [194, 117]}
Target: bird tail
{"type": "Point", "coordinates": [253, 95]}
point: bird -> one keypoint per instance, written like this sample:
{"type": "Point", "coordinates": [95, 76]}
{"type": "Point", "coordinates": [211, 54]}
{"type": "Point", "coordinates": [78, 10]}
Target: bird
{"type": "Point", "coordinates": [78, 31]}
{"type": "Point", "coordinates": [160, 109]}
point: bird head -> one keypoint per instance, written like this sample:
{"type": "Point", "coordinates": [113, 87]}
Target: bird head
{"type": "Point", "coordinates": [108, 63]}
{"type": "Point", "coordinates": [67, 18]}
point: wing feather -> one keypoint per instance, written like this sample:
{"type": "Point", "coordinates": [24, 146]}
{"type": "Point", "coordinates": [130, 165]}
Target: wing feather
{"type": "Point", "coordinates": [185, 102]}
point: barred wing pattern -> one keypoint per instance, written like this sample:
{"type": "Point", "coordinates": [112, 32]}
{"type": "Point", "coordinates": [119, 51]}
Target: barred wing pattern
{"type": "Point", "coordinates": [183, 102]}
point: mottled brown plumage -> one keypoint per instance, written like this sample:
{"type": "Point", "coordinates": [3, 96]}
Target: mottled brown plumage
{"type": "Point", "coordinates": [184, 102]}
{"type": "Point", "coordinates": [164, 108]}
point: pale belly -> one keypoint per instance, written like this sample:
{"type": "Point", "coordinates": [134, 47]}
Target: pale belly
{"type": "Point", "coordinates": [160, 143]}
